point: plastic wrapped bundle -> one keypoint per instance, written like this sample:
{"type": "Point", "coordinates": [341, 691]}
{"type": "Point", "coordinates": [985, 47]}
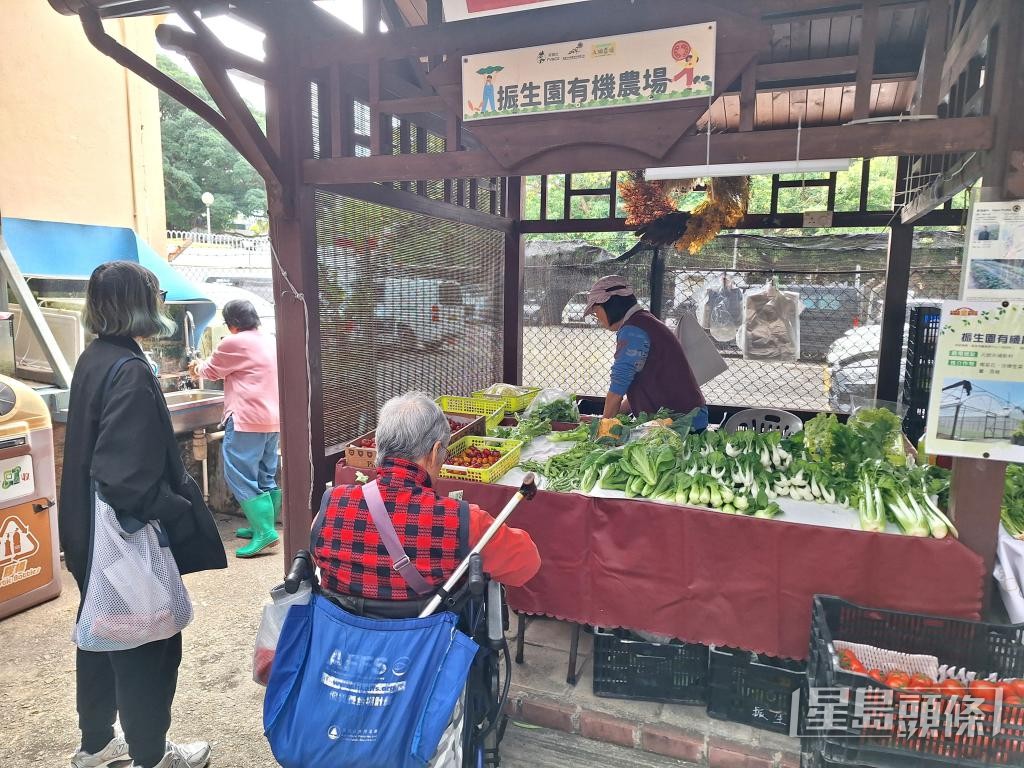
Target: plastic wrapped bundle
{"type": "Point", "coordinates": [771, 325]}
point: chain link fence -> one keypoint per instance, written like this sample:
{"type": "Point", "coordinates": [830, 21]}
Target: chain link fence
{"type": "Point", "coordinates": [840, 280]}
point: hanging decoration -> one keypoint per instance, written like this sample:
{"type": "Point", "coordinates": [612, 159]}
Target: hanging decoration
{"type": "Point", "coordinates": [651, 210]}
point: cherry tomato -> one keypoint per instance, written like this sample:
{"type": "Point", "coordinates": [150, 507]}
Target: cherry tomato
{"type": "Point", "coordinates": [876, 675]}
{"type": "Point", "coordinates": [1018, 687]}
{"type": "Point", "coordinates": [919, 682]}
{"type": "Point", "coordinates": [847, 660]}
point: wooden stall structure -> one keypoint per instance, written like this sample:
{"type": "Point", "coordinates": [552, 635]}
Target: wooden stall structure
{"type": "Point", "coordinates": [375, 116]}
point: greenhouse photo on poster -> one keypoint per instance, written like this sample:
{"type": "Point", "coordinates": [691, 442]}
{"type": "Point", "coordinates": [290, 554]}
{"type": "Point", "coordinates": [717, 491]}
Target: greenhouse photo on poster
{"type": "Point", "coordinates": [982, 411]}
{"type": "Point", "coordinates": [996, 275]}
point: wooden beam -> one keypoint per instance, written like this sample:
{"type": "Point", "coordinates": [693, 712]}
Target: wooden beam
{"type": "Point", "coordinates": [184, 42]}
{"type": "Point", "coordinates": [375, 122]}
{"type": "Point", "coordinates": [341, 116]}
{"type": "Point", "coordinates": [840, 220]}
{"type": "Point", "coordinates": [817, 143]}
{"type": "Point", "coordinates": [943, 188]}
{"type": "Point", "coordinates": [975, 495]}
{"type": "Point", "coordinates": [543, 26]}
{"type": "Point", "coordinates": [866, 60]}
{"type": "Point", "coordinates": [515, 274]}
{"type": "Point", "coordinates": [967, 41]}
{"type": "Point", "coordinates": [434, 105]}
{"type": "Point", "coordinates": [808, 69]}
{"type": "Point", "coordinates": [296, 291]}
{"type": "Point", "coordinates": [894, 312]}
{"type": "Point", "coordinates": [748, 98]}
{"type": "Point", "coordinates": [408, 201]}
{"type": "Point", "coordinates": [926, 101]}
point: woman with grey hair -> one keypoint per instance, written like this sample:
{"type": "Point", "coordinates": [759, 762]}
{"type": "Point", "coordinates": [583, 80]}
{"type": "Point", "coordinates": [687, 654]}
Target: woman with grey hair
{"type": "Point", "coordinates": [118, 446]}
{"type": "Point", "coordinates": [435, 531]}
{"type": "Point", "coordinates": [246, 361]}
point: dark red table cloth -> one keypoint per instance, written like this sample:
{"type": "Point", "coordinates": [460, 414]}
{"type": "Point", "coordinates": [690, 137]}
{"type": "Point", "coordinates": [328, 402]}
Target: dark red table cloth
{"type": "Point", "coordinates": [707, 577]}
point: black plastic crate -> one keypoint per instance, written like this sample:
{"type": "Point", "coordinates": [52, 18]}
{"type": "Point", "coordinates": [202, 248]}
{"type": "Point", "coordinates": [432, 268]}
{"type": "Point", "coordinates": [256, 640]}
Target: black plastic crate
{"type": "Point", "coordinates": [922, 340]}
{"type": "Point", "coordinates": [626, 667]}
{"type": "Point", "coordinates": [754, 690]}
{"type": "Point", "coordinates": [976, 646]}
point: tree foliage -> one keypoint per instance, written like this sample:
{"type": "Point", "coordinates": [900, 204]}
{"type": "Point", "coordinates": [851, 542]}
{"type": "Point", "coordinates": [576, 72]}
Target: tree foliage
{"type": "Point", "coordinates": [197, 159]}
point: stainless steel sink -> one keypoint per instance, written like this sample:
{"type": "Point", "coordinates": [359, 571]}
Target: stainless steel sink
{"type": "Point", "coordinates": [193, 409]}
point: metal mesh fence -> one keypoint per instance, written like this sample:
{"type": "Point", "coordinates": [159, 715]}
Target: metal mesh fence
{"type": "Point", "coordinates": [407, 302]}
{"type": "Point", "coordinates": [840, 281]}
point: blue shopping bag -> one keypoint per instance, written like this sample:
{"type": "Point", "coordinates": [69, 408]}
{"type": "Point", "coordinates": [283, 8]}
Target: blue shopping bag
{"type": "Point", "coordinates": [351, 691]}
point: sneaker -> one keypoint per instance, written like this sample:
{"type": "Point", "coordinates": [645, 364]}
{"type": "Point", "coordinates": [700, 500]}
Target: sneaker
{"type": "Point", "coordinates": [115, 751]}
{"type": "Point", "coordinates": [193, 755]}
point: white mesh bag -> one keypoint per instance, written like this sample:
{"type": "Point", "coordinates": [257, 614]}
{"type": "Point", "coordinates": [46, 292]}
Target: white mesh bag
{"type": "Point", "coordinates": [134, 594]}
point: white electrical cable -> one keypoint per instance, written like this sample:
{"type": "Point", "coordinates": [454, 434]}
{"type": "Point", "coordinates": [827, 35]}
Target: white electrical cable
{"type": "Point", "coordinates": [301, 298]}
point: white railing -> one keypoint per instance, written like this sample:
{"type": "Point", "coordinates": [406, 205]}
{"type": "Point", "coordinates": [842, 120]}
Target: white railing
{"type": "Point", "coordinates": [234, 242]}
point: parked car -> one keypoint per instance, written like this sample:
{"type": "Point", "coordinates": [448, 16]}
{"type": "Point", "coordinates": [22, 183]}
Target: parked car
{"type": "Point", "coordinates": [572, 314]}
{"type": "Point", "coordinates": [852, 362]}
{"type": "Point", "coordinates": [420, 312]}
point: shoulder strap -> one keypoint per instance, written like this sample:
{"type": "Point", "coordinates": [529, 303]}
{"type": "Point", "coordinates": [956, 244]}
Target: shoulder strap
{"type": "Point", "coordinates": [386, 529]}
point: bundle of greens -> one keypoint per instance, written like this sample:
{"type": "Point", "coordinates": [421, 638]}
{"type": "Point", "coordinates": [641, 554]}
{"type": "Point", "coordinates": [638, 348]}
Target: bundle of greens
{"type": "Point", "coordinates": [887, 492]}
{"type": "Point", "coordinates": [563, 409]}
{"type": "Point", "coordinates": [565, 471]}
{"type": "Point", "coordinates": [1012, 510]}
{"type": "Point", "coordinates": [525, 429]}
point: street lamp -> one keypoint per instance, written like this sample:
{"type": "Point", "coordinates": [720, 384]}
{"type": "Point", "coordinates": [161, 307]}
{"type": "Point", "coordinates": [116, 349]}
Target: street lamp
{"type": "Point", "coordinates": [207, 199]}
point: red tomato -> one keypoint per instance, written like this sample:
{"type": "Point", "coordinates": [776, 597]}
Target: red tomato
{"type": "Point", "coordinates": [952, 687]}
{"type": "Point", "coordinates": [876, 675]}
{"type": "Point", "coordinates": [1018, 687]}
{"type": "Point", "coordinates": [897, 679]}
{"type": "Point", "coordinates": [919, 682]}
{"type": "Point", "coordinates": [983, 689]}
{"type": "Point", "coordinates": [847, 658]}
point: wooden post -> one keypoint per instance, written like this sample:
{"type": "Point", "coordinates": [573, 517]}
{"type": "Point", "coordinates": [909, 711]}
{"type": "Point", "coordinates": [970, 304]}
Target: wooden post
{"type": "Point", "coordinates": [748, 101]}
{"type": "Point", "coordinates": [296, 293]}
{"type": "Point", "coordinates": [515, 263]}
{"type": "Point", "coordinates": [930, 75]}
{"type": "Point", "coordinates": [866, 60]}
{"type": "Point", "coordinates": [894, 313]}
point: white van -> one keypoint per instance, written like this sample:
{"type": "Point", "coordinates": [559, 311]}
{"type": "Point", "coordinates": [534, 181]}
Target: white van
{"type": "Point", "coordinates": [420, 312]}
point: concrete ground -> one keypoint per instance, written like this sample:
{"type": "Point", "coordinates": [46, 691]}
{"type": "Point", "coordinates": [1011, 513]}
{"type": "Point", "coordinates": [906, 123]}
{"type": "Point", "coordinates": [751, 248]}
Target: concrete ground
{"type": "Point", "coordinates": [216, 699]}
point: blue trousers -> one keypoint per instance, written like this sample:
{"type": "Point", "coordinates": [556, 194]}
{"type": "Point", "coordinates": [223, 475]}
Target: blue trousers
{"type": "Point", "coordinates": [250, 461]}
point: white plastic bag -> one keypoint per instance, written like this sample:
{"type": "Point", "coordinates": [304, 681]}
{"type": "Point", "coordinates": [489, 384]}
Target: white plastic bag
{"type": "Point", "coordinates": [771, 325]}
{"type": "Point", "coordinates": [274, 614]}
{"type": "Point", "coordinates": [720, 307]}
{"type": "Point", "coordinates": [134, 593]}
{"type": "Point", "coordinates": [549, 396]}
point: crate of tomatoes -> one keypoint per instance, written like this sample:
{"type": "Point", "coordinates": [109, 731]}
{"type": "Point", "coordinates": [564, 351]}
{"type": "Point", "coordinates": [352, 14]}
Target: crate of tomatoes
{"type": "Point", "coordinates": [903, 690]}
{"type": "Point", "coordinates": [482, 459]}
{"type": "Point", "coordinates": [362, 452]}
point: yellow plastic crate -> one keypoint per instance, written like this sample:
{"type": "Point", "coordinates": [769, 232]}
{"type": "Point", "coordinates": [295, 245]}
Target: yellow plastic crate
{"type": "Point", "coordinates": [509, 450]}
{"type": "Point", "coordinates": [513, 403]}
{"type": "Point", "coordinates": [493, 411]}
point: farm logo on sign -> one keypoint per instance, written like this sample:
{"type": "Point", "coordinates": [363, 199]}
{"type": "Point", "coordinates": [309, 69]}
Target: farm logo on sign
{"type": "Point", "coordinates": [13, 477]}
{"type": "Point", "coordinates": [964, 312]}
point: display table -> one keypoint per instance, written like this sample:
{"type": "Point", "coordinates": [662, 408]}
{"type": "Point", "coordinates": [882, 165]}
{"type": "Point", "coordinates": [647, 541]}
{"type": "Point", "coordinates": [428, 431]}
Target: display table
{"type": "Point", "coordinates": [707, 577]}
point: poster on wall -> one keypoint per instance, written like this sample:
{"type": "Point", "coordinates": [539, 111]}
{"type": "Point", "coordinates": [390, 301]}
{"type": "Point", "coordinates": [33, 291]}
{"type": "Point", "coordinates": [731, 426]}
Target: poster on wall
{"type": "Point", "coordinates": [976, 409]}
{"type": "Point", "coordinates": [994, 263]}
{"type": "Point", "coordinates": [457, 10]}
{"type": "Point", "coordinates": [618, 71]}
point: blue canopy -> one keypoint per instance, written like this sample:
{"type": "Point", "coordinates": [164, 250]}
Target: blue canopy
{"type": "Point", "coordinates": [58, 249]}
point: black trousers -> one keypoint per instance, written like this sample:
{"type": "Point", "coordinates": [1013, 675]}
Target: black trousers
{"type": "Point", "coordinates": [139, 685]}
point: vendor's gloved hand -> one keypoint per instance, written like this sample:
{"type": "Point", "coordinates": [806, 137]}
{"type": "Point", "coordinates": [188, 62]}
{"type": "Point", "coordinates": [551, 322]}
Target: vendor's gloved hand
{"type": "Point", "coordinates": [606, 428]}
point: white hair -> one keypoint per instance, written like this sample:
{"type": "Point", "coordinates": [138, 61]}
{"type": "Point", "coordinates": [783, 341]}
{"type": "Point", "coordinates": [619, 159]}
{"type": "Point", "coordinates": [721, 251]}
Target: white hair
{"type": "Point", "coordinates": [409, 426]}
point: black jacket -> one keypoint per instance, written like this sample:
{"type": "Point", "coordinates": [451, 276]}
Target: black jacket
{"type": "Point", "coordinates": [123, 443]}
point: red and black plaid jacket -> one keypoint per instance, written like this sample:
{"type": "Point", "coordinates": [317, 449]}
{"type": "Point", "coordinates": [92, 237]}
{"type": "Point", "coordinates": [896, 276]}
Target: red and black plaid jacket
{"type": "Point", "coordinates": [434, 530]}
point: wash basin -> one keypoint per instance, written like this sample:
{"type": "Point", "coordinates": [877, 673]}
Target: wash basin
{"type": "Point", "coordinates": [193, 409]}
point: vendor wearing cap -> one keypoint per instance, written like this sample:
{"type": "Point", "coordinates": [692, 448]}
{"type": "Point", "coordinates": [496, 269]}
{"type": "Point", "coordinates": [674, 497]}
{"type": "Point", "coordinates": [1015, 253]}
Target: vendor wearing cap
{"type": "Point", "coordinates": [650, 369]}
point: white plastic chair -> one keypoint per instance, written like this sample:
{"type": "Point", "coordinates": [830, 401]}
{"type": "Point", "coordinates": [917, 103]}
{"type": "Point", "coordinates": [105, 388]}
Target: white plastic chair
{"type": "Point", "coordinates": [764, 420]}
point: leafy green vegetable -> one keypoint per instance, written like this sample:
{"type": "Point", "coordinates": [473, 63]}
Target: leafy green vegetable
{"type": "Point", "coordinates": [881, 427]}
{"type": "Point", "coordinates": [1012, 510]}
{"type": "Point", "coordinates": [563, 410]}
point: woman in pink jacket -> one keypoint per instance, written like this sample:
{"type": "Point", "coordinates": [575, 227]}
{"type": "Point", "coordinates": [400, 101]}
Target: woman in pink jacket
{"type": "Point", "coordinates": [247, 363]}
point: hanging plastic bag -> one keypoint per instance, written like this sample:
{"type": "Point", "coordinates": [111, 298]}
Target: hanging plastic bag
{"type": "Point", "coordinates": [134, 594]}
{"type": "Point", "coordinates": [556, 405]}
{"type": "Point", "coordinates": [771, 325]}
{"type": "Point", "coordinates": [719, 307]}
{"type": "Point", "coordinates": [274, 614]}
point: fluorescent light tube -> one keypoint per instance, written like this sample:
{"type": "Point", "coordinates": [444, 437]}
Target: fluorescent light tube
{"type": "Point", "coordinates": [746, 169]}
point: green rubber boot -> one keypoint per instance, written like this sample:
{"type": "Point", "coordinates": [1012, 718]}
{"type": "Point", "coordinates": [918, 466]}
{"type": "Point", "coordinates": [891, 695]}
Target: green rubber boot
{"type": "Point", "coordinates": [275, 496]}
{"type": "Point", "coordinates": [260, 514]}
